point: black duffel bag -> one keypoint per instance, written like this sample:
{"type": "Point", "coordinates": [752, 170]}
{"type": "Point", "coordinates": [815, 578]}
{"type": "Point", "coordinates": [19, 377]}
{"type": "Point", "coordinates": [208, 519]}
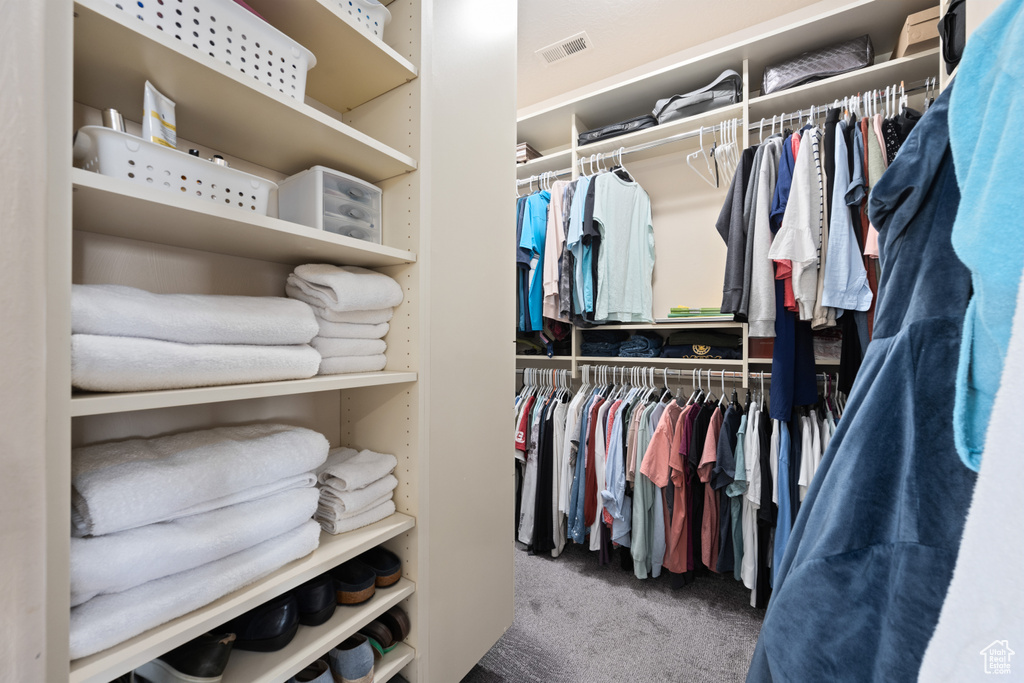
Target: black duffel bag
{"type": "Point", "coordinates": [615, 129]}
{"type": "Point", "coordinates": [817, 64]}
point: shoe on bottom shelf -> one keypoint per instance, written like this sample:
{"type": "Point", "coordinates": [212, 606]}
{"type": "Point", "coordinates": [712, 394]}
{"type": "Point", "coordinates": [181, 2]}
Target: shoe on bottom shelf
{"type": "Point", "coordinates": [317, 600]}
{"type": "Point", "coordinates": [267, 627]}
{"type": "Point", "coordinates": [352, 661]}
{"type": "Point", "coordinates": [385, 565]}
{"type": "Point", "coordinates": [201, 660]}
{"type": "Point", "coordinates": [317, 672]}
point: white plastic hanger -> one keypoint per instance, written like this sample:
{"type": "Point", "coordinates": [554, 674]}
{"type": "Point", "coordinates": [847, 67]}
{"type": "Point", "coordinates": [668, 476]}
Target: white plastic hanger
{"type": "Point", "coordinates": [693, 156]}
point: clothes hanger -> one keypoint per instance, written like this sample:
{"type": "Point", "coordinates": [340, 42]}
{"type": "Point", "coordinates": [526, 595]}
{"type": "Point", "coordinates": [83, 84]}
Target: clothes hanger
{"type": "Point", "coordinates": [693, 156]}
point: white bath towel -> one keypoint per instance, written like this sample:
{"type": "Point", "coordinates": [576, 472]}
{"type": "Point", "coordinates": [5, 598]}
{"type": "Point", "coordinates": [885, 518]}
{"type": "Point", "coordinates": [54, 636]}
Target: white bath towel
{"type": "Point", "coordinates": [341, 365]}
{"type": "Point", "coordinates": [107, 620]}
{"type": "Point", "coordinates": [346, 472]}
{"type": "Point", "coordinates": [331, 347]}
{"type": "Point", "coordinates": [127, 484]}
{"type": "Point", "coordinates": [374, 514]}
{"type": "Point", "coordinates": [117, 562]}
{"type": "Point", "coordinates": [351, 330]}
{"type": "Point", "coordinates": [335, 456]}
{"type": "Point", "coordinates": [117, 311]}
{"type": "Point", "coordinates": [329, 511]}
{"type": "Point", "coordinates": [347, 288]}
{"type": "Point", "coordinates": [101, 363]}
{"type": "Point", "coordinates": [359, 499]}
{"type": "Point", "coordinates": [374, 317]}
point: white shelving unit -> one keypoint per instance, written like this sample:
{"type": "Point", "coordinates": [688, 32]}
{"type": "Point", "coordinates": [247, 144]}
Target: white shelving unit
{"type": "Point", "coordinates": [690, 256]}
{"type": "Point", "coordinates": [373, 109]}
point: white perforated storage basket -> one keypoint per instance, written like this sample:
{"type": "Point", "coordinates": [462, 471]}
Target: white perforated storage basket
{"type": "Point", "coordinates": [369, 16]}
{"type": "Point", "coordinates": [125, 156]}
{"type": "Point", "coordinates": [230, 33]}
{"type": "Point", "coordinates": [330, 200]}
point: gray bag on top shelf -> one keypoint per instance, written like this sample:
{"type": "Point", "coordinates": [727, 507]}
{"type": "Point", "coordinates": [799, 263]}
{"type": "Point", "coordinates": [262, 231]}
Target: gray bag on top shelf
{"type": "Point", "coordinates": [817, 64]}
{"type": "Point", "coordinates": [725, 90]}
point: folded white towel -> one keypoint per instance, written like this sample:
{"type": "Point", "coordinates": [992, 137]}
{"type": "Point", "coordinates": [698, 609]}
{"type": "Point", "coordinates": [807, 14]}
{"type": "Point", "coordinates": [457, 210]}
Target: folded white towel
{"type": "Point", "coordinates": [328, 510]}
{"type": "Point", "coordinates": [359, 499]}
{"type": "Point", "coordinates": [335, 456]}
{"type": "Point", "coordinates": [340, 365]}
{"type": "Point", "coordinates": [374, 514]}
{"type": "Point", "coordinates": [331, 347]}
{"type": "Point", "coordinates": [347, 288]}
{"type": "Point", "coordinates": [351, 330]}
{"type": "Point", "coordinates": [117, 562]}
{"type": "Point", "coordinates": [107, 620]}
{"type": "Point", "coordinates": [101, 363]}
{"type": "Point", "coordinates": [117, 311]}
{"type": "Point", "coordinates": [346, 472]}
{"type": "Point", "coordinates": [126, 484]}
{"type": "Point", "coordinates": [372, 317]}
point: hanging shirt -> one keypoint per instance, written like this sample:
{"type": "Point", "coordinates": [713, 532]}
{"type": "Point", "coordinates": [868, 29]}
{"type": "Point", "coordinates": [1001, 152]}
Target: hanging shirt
{"type": "Point", "coordinates": [846, 280]}
{"type": "Point", "coordinates": [574, 240]}
{"type": "Point", "coordinates": [710, 518]}
{"type": "Point", "coordinates": [625, 266]}
{"type": "Point", "coordinates": [553, 241]}
{"type": "Point", "coordinates": [523, 258]}
{"type": "Point", "coordinates": [761, 311]}
{"type": "Point", "coordinates": [535, 226]}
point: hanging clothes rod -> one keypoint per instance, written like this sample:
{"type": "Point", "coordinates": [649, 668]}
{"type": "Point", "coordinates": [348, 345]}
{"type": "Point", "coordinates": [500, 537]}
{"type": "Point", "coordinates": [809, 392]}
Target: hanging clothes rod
{"type": "Point", "coordinates": [623, 151]}
{"type": "Point", "coordinates": [675, 372]}
{"type": "Point", "coordinates": [916, 86]}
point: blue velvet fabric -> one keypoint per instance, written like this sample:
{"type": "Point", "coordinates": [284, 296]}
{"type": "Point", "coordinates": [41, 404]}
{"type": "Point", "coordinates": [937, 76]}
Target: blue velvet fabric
{"type": "Point", "coordinates": [871, 554]}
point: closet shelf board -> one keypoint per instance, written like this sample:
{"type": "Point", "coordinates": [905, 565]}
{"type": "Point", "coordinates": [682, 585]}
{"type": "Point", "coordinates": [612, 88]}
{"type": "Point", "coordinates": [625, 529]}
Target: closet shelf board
{"type": "Point", "coordinates": [543, 359]}
{"type": "Point", "coordinates": [216, 105]}
{"type": "Point", "coordinates": [633, 93]}
{"type": "Point", "coordinates": [667, 130]}
{"type": "Point", "coordinates": [393, 662]}
{"type": "Point", "coordinates": [351, 68]}
{"type": "Point", "coordinates": [334, 550]}
{"type": "Point", "coordinates": [817, 361]}
{"type": "Point", "coordinates": [667, 362]}
{"type": "Point", "coordinates": [681, 325]}
{"type": "Point", "coordinates": [122, 208]}
{"type": "Point", "coordinates": [101, 404]}
{"type": "Point", "coordinates": [549, 162]}
{"type": "Point", "coordinates": [908, 69]}
{"type": "Point", "coordinates": [313, 642]}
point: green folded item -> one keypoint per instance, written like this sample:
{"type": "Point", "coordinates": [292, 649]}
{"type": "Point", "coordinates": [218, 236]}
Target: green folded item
{"type": "Point", "coordinates": [679, 309]}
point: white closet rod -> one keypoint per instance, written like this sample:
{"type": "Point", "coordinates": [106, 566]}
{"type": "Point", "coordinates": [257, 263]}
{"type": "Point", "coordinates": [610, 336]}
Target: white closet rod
{"type": "Point", "coordinates": [617, 153]}
{"type": "Point", "coordinates": [672, 372]}
{"type": "Point", "coordinates": [818, 110]}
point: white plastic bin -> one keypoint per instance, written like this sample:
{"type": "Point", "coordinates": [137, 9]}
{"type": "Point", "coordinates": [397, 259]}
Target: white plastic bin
{"type": "Point", "coordinates": [120, 155]}
{"type": "Point", "coordinates": [368, 15]}
{"type": "Point", "coordinates": [329, 200]}
{"type": "Point", "coordinates": [230, 33]}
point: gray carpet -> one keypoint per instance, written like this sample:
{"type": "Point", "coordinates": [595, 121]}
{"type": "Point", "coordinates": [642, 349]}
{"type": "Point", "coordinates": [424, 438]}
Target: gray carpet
{"type": "Point", "coordinates": [576, 621]}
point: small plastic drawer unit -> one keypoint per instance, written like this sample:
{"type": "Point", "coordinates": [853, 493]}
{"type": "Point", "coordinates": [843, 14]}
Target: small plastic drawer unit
{"type": "Point", "coordinates": [333, 201]}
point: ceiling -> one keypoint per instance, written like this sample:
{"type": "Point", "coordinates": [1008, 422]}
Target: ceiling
{"type": "Point", "coordinates": [624, 34]}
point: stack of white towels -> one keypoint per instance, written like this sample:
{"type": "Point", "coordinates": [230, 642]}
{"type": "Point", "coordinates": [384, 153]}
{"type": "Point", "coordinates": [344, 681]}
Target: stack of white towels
{"type": "Point", "coordinates": [128, 339]}
{"type": "Point", "coordinates": [353, 306]}
{"type": "Point", "coordinates": [163, 526]}
{"type": "Point", "coordinates": [356, 489]}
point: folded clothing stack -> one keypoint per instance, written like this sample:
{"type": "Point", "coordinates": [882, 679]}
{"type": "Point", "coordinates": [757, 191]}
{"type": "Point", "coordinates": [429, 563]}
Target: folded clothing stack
{"type": "Point", "coordinates": [356, 489]}
{"type": "Point", "coordinates": [687, 312]}
{"type": "Point", "coordinates": [703, 344]}
{"type": "Point", "coordinates": [352, 306]}
{"type": "Point", "coordinates": [163, 526]}
{"type": "Point", "coordinates": [128, 339]}
{"type": "Point", "coordinates": [645, 344]}
{"type": "Point", "coordinates": [602, 343]}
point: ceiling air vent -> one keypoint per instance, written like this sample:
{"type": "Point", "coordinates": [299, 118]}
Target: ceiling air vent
{"type": "Point", "coordinates": [567, 47]}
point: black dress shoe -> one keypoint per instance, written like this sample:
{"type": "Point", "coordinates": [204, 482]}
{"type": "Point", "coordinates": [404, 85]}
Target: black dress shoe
{"type": "Point", "coordinates": [385, 564]}
{"type": "Point", "coordinates": [317, 600]}
{"type": "Point", "coordinates": [201, 659]}
{"type": "Point", "coordinates": [269, 627]}
{"type": "Point", "coordinates": [354, 582]}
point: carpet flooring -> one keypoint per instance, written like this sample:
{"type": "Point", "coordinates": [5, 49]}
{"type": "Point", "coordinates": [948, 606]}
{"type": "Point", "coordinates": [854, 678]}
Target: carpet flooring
{"type": "Point", "coordinates": [576, 621]}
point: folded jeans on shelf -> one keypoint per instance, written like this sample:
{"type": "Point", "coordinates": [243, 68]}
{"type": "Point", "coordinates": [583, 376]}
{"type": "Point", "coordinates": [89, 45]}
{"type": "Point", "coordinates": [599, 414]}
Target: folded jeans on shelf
{"type": "Point", "coordinates": [107, 620]}
{"type": "Point", "coordinates": [639, 353]}
{"type": "Point", "coordinates": [123, 560]}
{"type": "Point", "coordinates": [126, 484]}
{"type": "Point", "coordinates": [600, 349]}
{"type": "Point", "coordinates": [101, 363]}
{"type": "Point", "coordinates": [118, 311]}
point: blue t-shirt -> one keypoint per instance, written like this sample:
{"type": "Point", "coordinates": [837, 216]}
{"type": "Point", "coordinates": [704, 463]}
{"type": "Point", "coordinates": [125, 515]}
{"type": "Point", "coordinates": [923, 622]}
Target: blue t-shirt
{"type": "Point", "coordinates": [535, 230]}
